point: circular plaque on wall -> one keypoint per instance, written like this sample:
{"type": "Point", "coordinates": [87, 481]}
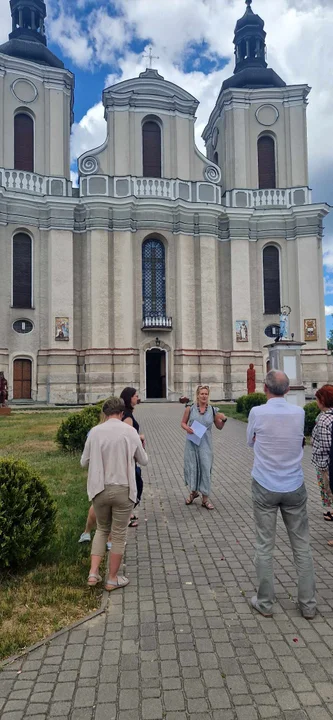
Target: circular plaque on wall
{"type": "Point", "coordinates": [267, 115]}
{"type": "Point", "coordinates": [24, 90]}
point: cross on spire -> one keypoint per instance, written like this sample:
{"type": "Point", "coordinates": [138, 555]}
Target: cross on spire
{"type": "Point", "coordinates": [151, 57]}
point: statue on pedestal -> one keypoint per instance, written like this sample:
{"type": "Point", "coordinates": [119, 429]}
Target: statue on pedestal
{"type": "Point", "coordinates": [3, 390]}
{"type": "Point", "coordinates": [251, 379]}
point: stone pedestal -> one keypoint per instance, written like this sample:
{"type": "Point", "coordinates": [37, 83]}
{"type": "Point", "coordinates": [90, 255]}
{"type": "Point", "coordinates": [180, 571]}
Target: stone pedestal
{"type": "Point", "coordinates": [5, 411]}
{"type": "Point", "coordinates": [286, 356]}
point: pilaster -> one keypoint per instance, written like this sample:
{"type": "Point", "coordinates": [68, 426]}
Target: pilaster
{"type": "Point", "coordinates": [209, 292]}
{"type": "Point", "coordinates": [61, 285]}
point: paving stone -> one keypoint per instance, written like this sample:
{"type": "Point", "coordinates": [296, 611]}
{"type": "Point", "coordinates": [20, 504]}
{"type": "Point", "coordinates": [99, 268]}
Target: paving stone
{"type": "Point", "coordinates": [218, 698]}
{"type": "Point", "coordinates": [64, 691]}
{"type": "Point", "coordinates": [129, 699]}
{"type": "Point", "coordinates": [181, 642]}
{"type": "Point", "coordinates": [152, 709]}
{"type": "Point", "coordinates": [173, 700]}
{"type": "Point", "coordinates": [59, 709]}
{"type": "Point", "coordinates": [107, 692]}
{"type": "Point", "coordinates": [247, 713]}
{"type": "Point", "coordinates": [287, 699]}
{"type": "Point", "coordinates": [84, 697]}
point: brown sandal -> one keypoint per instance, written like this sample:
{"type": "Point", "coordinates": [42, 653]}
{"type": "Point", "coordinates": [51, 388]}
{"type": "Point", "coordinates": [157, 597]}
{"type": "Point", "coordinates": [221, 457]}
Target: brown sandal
{"type": "Point", "coordinates": [193, 496]}
{"type": "Point", "coordinates": [207, 504]}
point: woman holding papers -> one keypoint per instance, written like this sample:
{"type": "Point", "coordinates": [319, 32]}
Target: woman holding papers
{"type": "Point", "coordinates": [198, 420]}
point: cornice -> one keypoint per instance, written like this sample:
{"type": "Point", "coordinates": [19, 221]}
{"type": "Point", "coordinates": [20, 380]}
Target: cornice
{"type": "Point", "coordinates": [147, 92]}
{"type": "Point", "coordinates": [245, 97]}
{"type": "Point", "coordinates": [35, 71]}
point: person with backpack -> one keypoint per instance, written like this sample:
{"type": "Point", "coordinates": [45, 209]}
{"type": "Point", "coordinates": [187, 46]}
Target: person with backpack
{"type": "Point", "coordinates": [322, 451]}
{"type": "Point", "coordinates": [198, 460]}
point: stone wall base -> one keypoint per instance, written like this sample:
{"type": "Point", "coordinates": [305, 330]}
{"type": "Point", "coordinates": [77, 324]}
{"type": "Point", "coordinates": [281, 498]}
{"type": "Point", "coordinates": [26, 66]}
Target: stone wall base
{"type": "Point", "coordinates": [81, 377]}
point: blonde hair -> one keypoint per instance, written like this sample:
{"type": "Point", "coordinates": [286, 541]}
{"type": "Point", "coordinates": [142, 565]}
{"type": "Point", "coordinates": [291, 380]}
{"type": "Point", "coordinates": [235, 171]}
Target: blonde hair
{"type": "Point", "coordinates": [201, 387]}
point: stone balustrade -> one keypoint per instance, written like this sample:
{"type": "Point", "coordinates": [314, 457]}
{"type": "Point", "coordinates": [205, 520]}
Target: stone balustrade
{"type": "Point", "coordinates": [277, 197]}
{"type": "Point", "coordinates": [32, 183]}
{"type": "Point", "coordinates": [159, 322]}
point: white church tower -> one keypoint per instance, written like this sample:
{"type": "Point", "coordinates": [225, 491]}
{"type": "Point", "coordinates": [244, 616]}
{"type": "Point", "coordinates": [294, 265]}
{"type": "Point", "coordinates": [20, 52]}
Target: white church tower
{"type": "Point", "coordinates": [165, 267]}
{"type": "Point", "coordinates": [257, 134]}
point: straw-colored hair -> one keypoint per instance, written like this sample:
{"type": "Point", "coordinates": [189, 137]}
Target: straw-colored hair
{"type": "Point", "coordinates": [201, 387]}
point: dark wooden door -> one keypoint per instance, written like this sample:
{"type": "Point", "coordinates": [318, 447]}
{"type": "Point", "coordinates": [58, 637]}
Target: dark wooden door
{"type": "Point", "coordinates": [154, 387]}
{"type": "Point", "coordinates": [22, 380]}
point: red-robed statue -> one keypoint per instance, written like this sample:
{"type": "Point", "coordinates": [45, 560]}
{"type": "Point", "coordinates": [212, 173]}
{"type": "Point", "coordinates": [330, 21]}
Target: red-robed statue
{"type": "Point", "coordinates": [251, 379]}
{"type": "Point", "coordinates": [3, 390]}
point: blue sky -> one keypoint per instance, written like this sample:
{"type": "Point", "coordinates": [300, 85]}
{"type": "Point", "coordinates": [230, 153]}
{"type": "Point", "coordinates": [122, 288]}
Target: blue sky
{"type": "Point", "coordinates": [103, 41]}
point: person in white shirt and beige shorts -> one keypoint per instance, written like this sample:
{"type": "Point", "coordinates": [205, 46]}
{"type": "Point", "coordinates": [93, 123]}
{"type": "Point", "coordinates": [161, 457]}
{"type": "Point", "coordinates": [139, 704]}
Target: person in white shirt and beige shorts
{"type": "Point", "coordinates": [111, 450]}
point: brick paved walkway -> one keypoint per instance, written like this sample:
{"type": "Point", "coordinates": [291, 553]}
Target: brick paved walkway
{"type": "Point", "coordinates": [181, 641]}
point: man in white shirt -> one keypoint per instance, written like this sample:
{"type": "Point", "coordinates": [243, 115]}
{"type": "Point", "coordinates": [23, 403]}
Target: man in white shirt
{"type": "Point", "coordinates": [276, 432]}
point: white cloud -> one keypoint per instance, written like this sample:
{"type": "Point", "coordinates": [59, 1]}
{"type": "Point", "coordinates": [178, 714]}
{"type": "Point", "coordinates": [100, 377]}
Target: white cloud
{"type": "Point", "coordinates": [107, 34]}
{"type": "Point", "coordinates": [66, 31]}
{"type": "Point", "coordinates": [90, 132]}
{"type": "Point", "coordinates": [328, 254]}
{"type": "Point", "coordinates": [328, 310]}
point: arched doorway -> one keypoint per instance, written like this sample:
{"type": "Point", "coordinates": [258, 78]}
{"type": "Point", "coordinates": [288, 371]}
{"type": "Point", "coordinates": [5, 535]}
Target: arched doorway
{"type": "Point", "coordinates": [156, 373]}
{"type": "Point", "coordinates": [22, 379]}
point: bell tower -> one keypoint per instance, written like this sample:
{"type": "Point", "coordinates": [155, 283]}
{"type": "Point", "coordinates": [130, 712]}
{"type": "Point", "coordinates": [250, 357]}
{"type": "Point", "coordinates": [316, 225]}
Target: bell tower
{"type": "Point", "coordinates": [37, 110]}
{"type": "Point", "coordinates": [28, 20]}
{"type": "Point", "coordinates": [250, 41]}
{"type": "Point", "coordinates": [257, 130]}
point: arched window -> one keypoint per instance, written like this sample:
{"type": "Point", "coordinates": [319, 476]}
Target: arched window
{"type": "Point", "coordinates": [151, 145]}
{"type": "Point", "coordinates": [22, 271]}
{"type": "Point", "coordinates": [266, 163]}
{"type": "Point", "coordinates": [216, 158]}
{"type": "Point", "coordinates": [153, 278]}
{"type": "Point", "coordinates": [271, 267]}
{"type": "Point", "coordinates": [23, 142]}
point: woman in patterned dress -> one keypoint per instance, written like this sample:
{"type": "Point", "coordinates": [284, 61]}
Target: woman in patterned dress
{"type": "Point", "coordinates": [321, 448]}
{"type": "Point", "coordinates": [198, 460]}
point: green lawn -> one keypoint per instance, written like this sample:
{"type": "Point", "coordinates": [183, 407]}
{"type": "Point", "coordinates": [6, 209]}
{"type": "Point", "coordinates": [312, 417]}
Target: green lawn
{"type": "Point", "coordinates": [230, 411]}
{"type": "Point", "coordinates": [53, 593]}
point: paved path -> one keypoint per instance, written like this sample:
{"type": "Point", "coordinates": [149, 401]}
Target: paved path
{"type": "Point", "coordinates": [181, 641]}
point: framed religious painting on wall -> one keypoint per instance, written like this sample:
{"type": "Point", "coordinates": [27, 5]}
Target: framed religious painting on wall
{"type": "Point", "coordinates": [310, 330]}
{"type": "Point", "coordinates": [62, 328]}
{"type": "Point", "coordinates": [242, 331]}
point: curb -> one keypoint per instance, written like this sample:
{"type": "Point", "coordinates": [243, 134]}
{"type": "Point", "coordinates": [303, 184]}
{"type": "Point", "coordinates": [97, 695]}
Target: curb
{"type": "Point", "coordinates": [21, 655]}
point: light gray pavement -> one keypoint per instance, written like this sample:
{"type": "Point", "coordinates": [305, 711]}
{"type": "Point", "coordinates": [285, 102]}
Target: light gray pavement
{"type": "Point", "coordinates": [181, 641]}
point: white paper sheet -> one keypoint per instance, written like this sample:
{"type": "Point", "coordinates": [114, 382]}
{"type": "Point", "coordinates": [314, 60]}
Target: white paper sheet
{"type": "Point", "coordinates": [199, 430]}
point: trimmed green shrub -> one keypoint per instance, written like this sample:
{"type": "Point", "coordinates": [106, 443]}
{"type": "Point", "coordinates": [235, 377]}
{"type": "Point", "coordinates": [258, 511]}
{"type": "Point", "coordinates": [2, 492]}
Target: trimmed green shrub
{"type": "Point", "coordinates": [27, 513]}
{"type": "Point", "coordinates": [240, 403]}
{"type": "Point", "coordinates": [72, 433]}
{"type": "Point", "coordinates": [311, 411]}
{"type": "Point", "coordinates": [253, 400]}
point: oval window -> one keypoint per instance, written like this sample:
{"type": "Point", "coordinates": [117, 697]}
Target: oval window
{"type": "Point", "coordinates": [23, 326]}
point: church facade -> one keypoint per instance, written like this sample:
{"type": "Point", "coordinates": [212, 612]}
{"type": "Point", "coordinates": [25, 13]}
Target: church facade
{"type": "Point", "coordinates": [165, 267]}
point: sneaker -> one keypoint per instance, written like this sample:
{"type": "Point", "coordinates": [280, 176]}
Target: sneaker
{"type": "Point", "coordinates": [109, 545]}
{"type": "Point", "coordinates": [85, 537]}
{"type": "Point", "coordinates": [255, 605]}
